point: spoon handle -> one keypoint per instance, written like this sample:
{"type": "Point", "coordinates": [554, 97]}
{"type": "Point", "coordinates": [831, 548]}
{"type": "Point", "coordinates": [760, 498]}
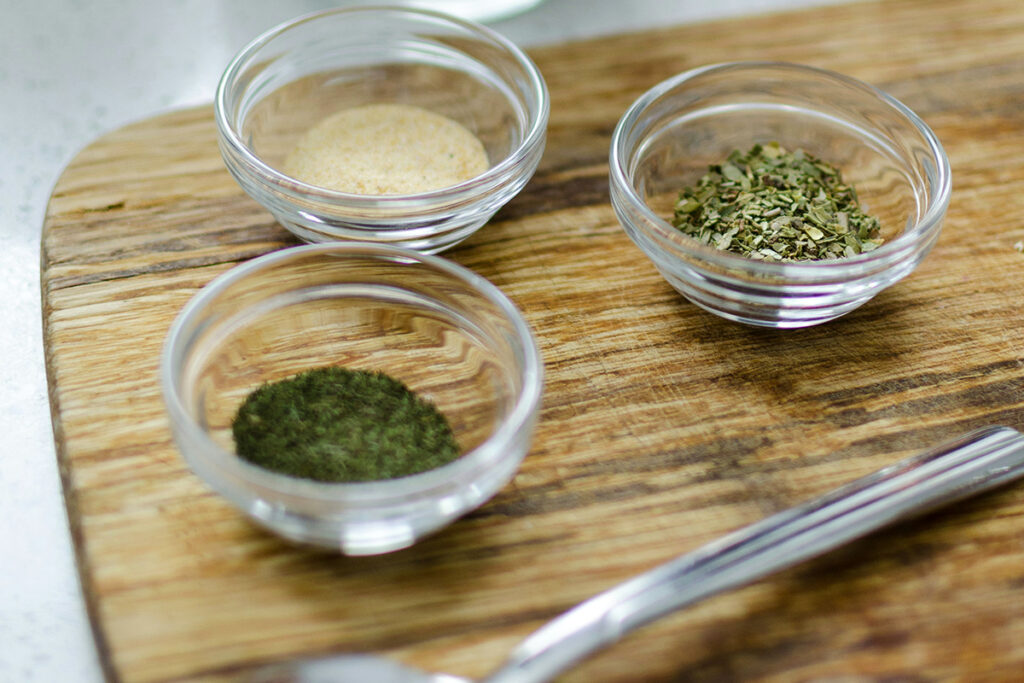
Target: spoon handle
{"type": "Point", "coordinates": [969, 465]}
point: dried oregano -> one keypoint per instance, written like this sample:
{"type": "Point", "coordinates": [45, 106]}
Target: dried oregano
{"type": "Point", "coordinates": [773, 205]}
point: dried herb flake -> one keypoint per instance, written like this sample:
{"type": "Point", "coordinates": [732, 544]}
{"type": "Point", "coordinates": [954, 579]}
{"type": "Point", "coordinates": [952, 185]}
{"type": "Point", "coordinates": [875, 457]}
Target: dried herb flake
{"type": "Point", "coordinates": [774, 205]}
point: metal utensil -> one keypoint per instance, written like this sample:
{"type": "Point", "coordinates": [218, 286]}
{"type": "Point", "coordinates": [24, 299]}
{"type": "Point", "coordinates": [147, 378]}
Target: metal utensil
{"type": "Point", "coordinates": [976, 462]}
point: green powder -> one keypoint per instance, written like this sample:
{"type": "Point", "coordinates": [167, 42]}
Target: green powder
{"type": "Point", "coordinates": [333, 424]}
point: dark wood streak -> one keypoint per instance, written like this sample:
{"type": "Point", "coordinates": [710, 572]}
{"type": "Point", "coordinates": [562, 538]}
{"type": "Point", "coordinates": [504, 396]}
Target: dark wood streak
{"type": "Point", "coordinates": [155, 268]}
{"type": "Point", "coordinates": [901, 385]}
{"type": "Point", "coordinates": [549, 194]}
{"type": "Point", "coordinates": [539, 500]}
{"type": "Point", "coordinates": [992, 395]}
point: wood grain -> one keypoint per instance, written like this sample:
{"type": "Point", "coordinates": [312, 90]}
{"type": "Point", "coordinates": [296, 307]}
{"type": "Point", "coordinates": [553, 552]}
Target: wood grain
{"type": "Point", "coordinates": [662, 426]}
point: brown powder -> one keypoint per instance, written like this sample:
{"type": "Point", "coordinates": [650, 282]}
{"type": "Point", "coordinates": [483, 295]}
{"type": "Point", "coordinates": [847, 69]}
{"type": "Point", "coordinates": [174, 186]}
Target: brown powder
{"type": "Point", "coordinates": [386, 149]}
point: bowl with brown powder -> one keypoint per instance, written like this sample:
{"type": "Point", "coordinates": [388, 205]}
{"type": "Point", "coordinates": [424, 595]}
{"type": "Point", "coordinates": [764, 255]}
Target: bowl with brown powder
{"type": "Point", "coordinates": [382, 124]}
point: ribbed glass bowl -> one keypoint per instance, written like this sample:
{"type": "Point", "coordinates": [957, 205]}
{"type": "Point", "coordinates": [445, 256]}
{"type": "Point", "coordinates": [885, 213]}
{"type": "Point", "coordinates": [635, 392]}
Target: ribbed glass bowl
{"type": "Point", "coordinates": [667, 139]}
{"type": "Point", "coordinates": [297, 74]}
{"type": "Point", "coordinates": [447, 333]}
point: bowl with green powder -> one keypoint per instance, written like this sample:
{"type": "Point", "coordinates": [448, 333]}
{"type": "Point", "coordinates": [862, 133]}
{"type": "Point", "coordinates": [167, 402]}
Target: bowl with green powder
{"type": "Point", "coordinates": [777, 195]}
{"type": "Point", "coordinates": [352, 396]}
{"type": "Point", "coordinates": [388, 125]}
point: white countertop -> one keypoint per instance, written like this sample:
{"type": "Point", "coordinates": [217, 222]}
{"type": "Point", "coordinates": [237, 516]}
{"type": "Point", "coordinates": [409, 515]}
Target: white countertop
{"type": "Point", "coordinates": [71, 70]}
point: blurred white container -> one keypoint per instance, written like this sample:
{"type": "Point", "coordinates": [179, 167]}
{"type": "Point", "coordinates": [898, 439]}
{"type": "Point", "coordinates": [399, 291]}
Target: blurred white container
{"type": "Point", "coordinates": [474, 10]}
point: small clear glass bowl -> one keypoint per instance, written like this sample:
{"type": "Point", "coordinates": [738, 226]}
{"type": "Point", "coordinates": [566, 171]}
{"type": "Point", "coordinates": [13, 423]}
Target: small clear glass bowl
{"type": "Point", "coordinates": [295, 75]}
{"type": "Point", "coordinates": [667, 139]}
{"type": "Point", "coordinates": [447, 333]}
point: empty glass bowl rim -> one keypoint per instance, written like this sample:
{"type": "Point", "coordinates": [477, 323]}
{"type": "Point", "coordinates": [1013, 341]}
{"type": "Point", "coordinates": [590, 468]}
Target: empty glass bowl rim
{"type": "Point", "coordinates": [928, 224]}
{"type": "Point", "coordinates": [292, 186]}
{"type": "Point", "coordinates": [482, 456]}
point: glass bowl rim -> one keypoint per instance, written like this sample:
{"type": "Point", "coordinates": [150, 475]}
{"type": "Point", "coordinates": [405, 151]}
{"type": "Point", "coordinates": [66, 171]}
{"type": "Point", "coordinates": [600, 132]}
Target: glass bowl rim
{"type": "Point", "coordinates": [483, 456]}
{"type": "Point", "coordinates": [297, 188]}
{"type": "Point", "coordinates": [929, 222]}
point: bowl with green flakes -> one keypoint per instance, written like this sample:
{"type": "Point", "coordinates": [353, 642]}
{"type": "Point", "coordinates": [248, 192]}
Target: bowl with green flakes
{"type": "Point", "coordinates": [777, 195]}
{"type": "Point", "coordinates": [352, 396]}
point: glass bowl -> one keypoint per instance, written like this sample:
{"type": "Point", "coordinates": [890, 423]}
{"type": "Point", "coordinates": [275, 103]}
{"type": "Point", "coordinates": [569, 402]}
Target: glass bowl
{"type": "Point", "coordinates": [667, 139]}
{"type": "Point", "coordinates": [447, 333]}
{"type": "Point", "coordinates": [297, 74]}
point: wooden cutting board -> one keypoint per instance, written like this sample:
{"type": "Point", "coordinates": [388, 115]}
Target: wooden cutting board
{"type": "Point", "coordinates": [662, 426]}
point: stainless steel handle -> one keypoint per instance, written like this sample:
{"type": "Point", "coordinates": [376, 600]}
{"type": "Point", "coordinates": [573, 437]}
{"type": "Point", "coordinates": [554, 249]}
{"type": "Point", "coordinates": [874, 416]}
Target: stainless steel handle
{"type": "Point", "coordinates": [969, 465]}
